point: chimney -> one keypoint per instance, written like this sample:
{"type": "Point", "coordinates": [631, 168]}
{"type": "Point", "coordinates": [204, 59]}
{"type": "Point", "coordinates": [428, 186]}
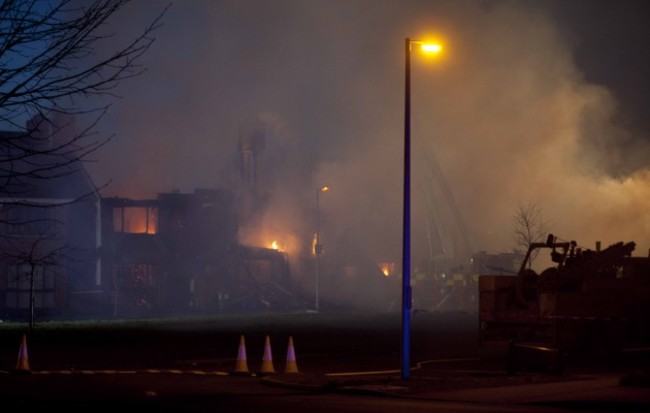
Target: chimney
{"type": "Point", "coordinates": [252, 136]}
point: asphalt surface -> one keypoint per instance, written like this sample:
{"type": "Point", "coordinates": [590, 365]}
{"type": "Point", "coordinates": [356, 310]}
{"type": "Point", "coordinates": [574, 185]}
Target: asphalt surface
{"type": "Point", "coordinates": [363, 365]}
{"type": "Point", "coordinates": [603, 392]}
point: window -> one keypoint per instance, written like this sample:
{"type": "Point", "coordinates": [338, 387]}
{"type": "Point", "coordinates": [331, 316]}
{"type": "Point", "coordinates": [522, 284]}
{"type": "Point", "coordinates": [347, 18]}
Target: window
{"type": "Point", "coordinates": [135, 220]}
{"type": "Point", "coordinates": [28, 220]}
{"type": "Point", "coordinates": [19, 282]}
{"type": "Point", "coordinates": [140, 282]}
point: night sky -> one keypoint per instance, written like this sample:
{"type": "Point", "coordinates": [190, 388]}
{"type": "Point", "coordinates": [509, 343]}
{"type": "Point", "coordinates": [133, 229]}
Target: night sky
{"type": "Point", "coordinates": [542, 102]}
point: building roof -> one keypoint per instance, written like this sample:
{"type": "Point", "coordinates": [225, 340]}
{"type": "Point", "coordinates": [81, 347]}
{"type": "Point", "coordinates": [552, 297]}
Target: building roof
{"type": "Point", "coordinates": [32, 167]}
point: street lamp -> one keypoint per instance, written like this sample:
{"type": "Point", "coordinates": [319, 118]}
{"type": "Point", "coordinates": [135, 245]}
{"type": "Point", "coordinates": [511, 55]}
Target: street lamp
{"type": "Point", "coordinates": [433, 48]}
{"type": "Point", "coordinates": [318, 248]}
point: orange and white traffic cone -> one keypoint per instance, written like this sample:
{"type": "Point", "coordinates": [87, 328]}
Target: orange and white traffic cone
{"type": "Point", "coordinates": [291, 366]}
{"type": "Point", "coordinates": [22, 366]}
{"type": "Point", "coordinates": [241, 366]}
{"type": "Point", "coordinates": [267, 359]}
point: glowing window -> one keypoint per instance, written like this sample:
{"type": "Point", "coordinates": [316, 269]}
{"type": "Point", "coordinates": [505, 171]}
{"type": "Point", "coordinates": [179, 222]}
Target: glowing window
{"type": "Point", "coordinates": [135, 220]}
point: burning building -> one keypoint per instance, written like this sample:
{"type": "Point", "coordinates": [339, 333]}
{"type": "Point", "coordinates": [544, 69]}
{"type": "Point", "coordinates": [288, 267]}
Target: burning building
{"type": "Point", "coordinates": [182, 256]}
{"type": "Point", "coordinates": [202, 252]}
{"type": "Point", "coordinates": [117, 257]}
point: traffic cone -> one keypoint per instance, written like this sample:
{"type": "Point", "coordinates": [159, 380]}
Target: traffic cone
{"type": "Point", "coordinates": [241, 366]}
{"type": "Point", "coordinates": [267, 359]}
{"type": "Point", "coordinates": [22, 366]}
{"type": "Point", "coordinates": [291, 366]}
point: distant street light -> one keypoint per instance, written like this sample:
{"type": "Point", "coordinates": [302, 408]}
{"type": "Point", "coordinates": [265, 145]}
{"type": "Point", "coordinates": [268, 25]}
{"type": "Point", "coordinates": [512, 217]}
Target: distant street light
{"type": "Point", "coordinates": [432, 48]}
{"type": "Point", "coordinates": [318, 248]}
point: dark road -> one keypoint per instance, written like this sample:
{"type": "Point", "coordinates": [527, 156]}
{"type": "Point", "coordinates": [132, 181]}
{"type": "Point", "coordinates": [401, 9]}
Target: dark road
{"type": "Point", "coordinates": [344, 362]}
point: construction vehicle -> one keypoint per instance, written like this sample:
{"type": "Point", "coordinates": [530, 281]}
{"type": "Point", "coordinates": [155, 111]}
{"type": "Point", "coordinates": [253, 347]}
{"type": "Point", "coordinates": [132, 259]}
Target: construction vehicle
{"type": "Point", "coordinates": [587, 302]}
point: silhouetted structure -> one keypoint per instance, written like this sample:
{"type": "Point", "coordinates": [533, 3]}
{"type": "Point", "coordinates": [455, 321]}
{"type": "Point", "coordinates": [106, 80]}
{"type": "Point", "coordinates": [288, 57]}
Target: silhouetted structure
{"type": "Point", "coordinates": [118, 257]}
{"type": "Point", "coordinates": [590, 301]}
{"type": "Point", "coordinates": [48, 223]}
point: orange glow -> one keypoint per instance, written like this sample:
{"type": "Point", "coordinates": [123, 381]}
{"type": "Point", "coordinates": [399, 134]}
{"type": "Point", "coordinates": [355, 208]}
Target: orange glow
{"type": "Point", "coordinates": [270, 238]}
{"type": "Point", "coordinates": [313, 245]}
{"type": "Point", "coordinates": [135, 220]}
{"type": "Point", "coordinates": [272, 234]}
{"type": "Point", "coordinates": [431, 48]}
{"type": "Point", "coordinates": [325, 189]}
{"type": "Point", "coordinates": [387, 268]}
{"type": "Point", "coordinates": [275, 245]}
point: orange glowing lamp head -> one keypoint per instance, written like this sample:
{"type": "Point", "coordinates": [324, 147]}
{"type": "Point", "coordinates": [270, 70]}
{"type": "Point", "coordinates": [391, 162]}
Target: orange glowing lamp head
{"type": "Point", "coordinates": [324, 188]}
{"type": "Point", "coordinates": [431, 48]}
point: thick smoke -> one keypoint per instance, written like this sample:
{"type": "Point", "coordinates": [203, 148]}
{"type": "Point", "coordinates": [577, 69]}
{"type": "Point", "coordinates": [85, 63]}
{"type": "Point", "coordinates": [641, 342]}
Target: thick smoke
{"type": "Point", "coordinates": [506, 114]}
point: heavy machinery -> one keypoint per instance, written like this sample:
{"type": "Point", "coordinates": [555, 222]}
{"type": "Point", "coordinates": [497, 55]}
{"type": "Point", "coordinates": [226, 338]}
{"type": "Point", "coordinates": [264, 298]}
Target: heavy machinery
{"type": "Point", "coordinates": [589, 301]}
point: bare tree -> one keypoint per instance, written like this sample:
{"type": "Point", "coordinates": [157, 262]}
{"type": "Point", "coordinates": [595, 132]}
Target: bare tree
{"type": "Point", "coordinates": [32, 258]}
{"type": "Point", "coordinates": [529, 226]}
{"type": "Point", "coordinates": [32, 261]}
{"type": "Point", "coordinates": [58, 61]}
{"type": "Point", "coordinates": [51, 60]}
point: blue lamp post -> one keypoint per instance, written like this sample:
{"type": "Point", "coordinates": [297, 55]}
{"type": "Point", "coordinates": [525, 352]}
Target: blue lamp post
{"type": "Point", "coordinates": [406, 226]}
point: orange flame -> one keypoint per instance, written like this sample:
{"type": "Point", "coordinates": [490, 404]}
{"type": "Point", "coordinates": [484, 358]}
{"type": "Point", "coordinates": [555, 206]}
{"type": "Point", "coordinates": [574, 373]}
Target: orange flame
{"type": "Point", "coordinates": [387, 268]}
